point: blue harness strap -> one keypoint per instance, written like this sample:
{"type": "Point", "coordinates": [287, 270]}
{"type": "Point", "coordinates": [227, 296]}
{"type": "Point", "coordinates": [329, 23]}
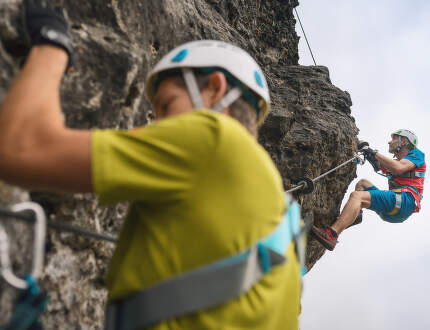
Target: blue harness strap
{"type": "Point", "coordinates": [30, 304]}
{"type": "Point", "coordinates": [209, 285]}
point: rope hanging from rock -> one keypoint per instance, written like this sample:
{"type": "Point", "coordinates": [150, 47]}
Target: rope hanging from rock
{"type": "Point", "coordinates": [304, 34]}
{"type": "Point", "coordinates": [56, 225]}
{"type": "Point", "coordinates": [306, 185]}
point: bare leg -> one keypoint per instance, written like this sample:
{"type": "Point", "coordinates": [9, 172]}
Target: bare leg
{"type": "Point", "coordinates": [363, 184]}
{"type": "Point", "coordinates": [357, 200]}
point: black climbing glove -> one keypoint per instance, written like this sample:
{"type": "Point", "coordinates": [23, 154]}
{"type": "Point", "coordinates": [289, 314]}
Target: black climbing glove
{"type": "Point", "coordinates": [45, 24]}
{"type": "Point", "coordinates": [368, 151]}
{"type": "Point", "coordinates": [369, 155]}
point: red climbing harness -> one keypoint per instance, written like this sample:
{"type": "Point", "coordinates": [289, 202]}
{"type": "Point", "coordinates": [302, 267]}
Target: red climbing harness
{"type": "Point", "coordinates": [411, 181]}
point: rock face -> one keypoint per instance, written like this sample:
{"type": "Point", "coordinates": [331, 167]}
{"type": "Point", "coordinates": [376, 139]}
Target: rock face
{"type": "Point", "coordinates": [309, 131]}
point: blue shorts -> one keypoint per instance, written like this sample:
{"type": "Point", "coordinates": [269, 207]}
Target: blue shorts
{"type": "Point", "coordinates": [383, 202]}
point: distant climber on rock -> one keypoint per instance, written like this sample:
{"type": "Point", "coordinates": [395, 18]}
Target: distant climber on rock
{"type": "Point", "coordinates": [202, 191]}
{"type": "Point", "coordinates": [405, 182]}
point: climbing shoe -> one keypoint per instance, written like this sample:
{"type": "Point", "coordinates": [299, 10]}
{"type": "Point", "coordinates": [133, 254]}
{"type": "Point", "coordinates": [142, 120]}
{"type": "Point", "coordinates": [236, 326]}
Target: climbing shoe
{"type": "Point", "coordinates": [326, 236]}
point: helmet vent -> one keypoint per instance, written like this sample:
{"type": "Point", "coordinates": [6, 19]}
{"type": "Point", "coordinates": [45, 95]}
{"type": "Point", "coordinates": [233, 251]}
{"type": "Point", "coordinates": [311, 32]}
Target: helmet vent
{"type": "Point", "coordinates": [180, 56]}
{"type": "Point", "coordinates": [258, 79]}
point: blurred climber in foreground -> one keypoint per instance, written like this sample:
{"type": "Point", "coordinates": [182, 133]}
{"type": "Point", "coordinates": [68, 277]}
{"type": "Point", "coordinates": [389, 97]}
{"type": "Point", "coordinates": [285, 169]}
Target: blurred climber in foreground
{"type": "Point", "coordinates": [202, 190]}
{"type": "Point", "coordinates": [405, 182]}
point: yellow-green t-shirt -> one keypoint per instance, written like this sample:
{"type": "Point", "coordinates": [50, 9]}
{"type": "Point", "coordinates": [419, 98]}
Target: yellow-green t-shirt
{"type": "Point", "coordinates": [201, 189]}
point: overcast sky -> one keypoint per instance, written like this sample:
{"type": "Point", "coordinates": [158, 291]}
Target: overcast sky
{"type": "Point", "coordinates": [378, 277]}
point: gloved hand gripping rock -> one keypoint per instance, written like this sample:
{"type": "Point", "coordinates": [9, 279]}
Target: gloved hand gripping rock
{"type": "Point", "coordinates": [45, 24]}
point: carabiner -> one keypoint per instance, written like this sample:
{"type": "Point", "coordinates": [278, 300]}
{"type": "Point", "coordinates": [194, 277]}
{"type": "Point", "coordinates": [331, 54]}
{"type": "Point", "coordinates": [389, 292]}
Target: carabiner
{"type": "Point", "coordinates": [359, 160]}
{"type": "Point", "coordinates": [38, 247]}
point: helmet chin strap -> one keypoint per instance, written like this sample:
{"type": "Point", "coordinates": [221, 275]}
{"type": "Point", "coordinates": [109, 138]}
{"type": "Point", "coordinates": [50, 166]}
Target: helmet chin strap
{"type": "Point", "coordinates": [228, 99]}
{"type": "Point", "coordinates": [193, 88]}
{"type": "Point", "coordinates": [399, 147]}
{"type": "Point", "coordinates": [196, 98]}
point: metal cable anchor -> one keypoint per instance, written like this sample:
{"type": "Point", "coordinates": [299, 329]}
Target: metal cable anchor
{"type": "Point", "coordinates": [306, 185]}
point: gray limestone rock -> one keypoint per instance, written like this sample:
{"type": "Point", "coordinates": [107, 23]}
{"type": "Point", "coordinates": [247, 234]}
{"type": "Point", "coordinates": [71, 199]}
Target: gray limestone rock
{"type": "Point", "coordinates": [309, 131]}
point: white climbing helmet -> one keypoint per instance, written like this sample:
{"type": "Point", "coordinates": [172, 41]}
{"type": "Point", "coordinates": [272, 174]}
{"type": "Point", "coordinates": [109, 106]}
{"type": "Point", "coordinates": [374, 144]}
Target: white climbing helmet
{"type": "Point", "coordinates": [215, 54]}
{"type": "Point", "coordinates": [413, 139]}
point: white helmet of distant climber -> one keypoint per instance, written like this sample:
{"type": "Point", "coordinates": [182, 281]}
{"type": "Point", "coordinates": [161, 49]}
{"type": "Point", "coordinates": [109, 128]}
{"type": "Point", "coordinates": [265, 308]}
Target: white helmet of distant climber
{"type": "Point", "coordinates": [241, 70]}
{"type": "Point", "coordinates": [413, 139]}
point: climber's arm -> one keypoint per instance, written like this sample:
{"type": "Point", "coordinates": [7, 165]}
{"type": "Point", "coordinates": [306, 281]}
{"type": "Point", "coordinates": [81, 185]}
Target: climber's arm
{"type": "Point", "coordinates": [395, 166]}
{"type": "Point", "coordinates": [36, 149]}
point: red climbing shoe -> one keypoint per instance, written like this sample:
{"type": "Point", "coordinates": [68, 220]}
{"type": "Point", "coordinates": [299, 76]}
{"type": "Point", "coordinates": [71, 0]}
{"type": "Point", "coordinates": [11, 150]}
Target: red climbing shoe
{"type": "Point", "coordinates": [326, 236]}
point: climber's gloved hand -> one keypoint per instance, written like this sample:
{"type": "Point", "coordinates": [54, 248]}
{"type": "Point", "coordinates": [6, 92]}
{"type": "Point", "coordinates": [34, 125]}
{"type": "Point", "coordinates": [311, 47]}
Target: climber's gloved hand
{"type": "Point", "coordinates": [46, 25]}
{"type": "Point", "coordinates": [369, 155]}
{"type": "Point", "coordinates": [374, 163]}
{"type": "Point", "coordinates": [367, 151]}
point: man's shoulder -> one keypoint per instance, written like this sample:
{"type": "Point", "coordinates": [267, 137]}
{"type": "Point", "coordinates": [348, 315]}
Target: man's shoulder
{"type": "Point", "coordinates": [416, 156]}
{"type": "Point", "coordinates": [199, 121]}
{"type": "Point", "coordinates": [417, 153]}
{"type": "Point", "coordinates": [202, 129]}
{"type": "Point", "coordinates": [183, 129]}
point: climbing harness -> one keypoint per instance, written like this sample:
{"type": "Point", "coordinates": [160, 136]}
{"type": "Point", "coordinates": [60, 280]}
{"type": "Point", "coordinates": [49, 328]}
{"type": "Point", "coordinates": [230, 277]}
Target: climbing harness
{"type": "Point", "coordinates": [412, 174]}
{"type": "Point", "coordinates": [306, 185]}
{"type": "Point", "coordinates": [212, 284]}
{"type": "Point", "coordinates": [398, 188]}
{"type": "Point", "coordinates": [32, 301]}
{"type": "Point", "coordinates": [57, 225]}
{"type": "Point", "coordinates": [409, 175]}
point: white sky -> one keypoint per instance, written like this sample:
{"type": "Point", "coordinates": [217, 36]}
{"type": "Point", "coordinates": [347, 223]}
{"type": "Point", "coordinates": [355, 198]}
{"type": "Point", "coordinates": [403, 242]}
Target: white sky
{"type": "Point", "coordinates": [378, 277]}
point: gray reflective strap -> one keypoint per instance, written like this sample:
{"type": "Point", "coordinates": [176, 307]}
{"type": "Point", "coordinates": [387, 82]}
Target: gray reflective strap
{"type": "Point", "coordinates": [228, 99]}
{"type": "Point", "coordinates": [199, 289]}
{"type": "Point", "coordinates": [398, 204]}
{"type": "Point", "coordinates": [398, 201]}
{"type": "Point", "coordinates": [193, 88]}
{"type": "Point", "coordinates": [413, 175]}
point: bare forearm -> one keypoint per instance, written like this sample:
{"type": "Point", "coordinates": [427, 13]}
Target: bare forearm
{"type": "Point", "coordinates": [390, 164]}
{"type": "Point", "coordinates": [33, 103]}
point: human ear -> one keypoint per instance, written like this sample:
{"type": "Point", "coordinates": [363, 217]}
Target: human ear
{"type": "Point", "coordinates": [215, 89]}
